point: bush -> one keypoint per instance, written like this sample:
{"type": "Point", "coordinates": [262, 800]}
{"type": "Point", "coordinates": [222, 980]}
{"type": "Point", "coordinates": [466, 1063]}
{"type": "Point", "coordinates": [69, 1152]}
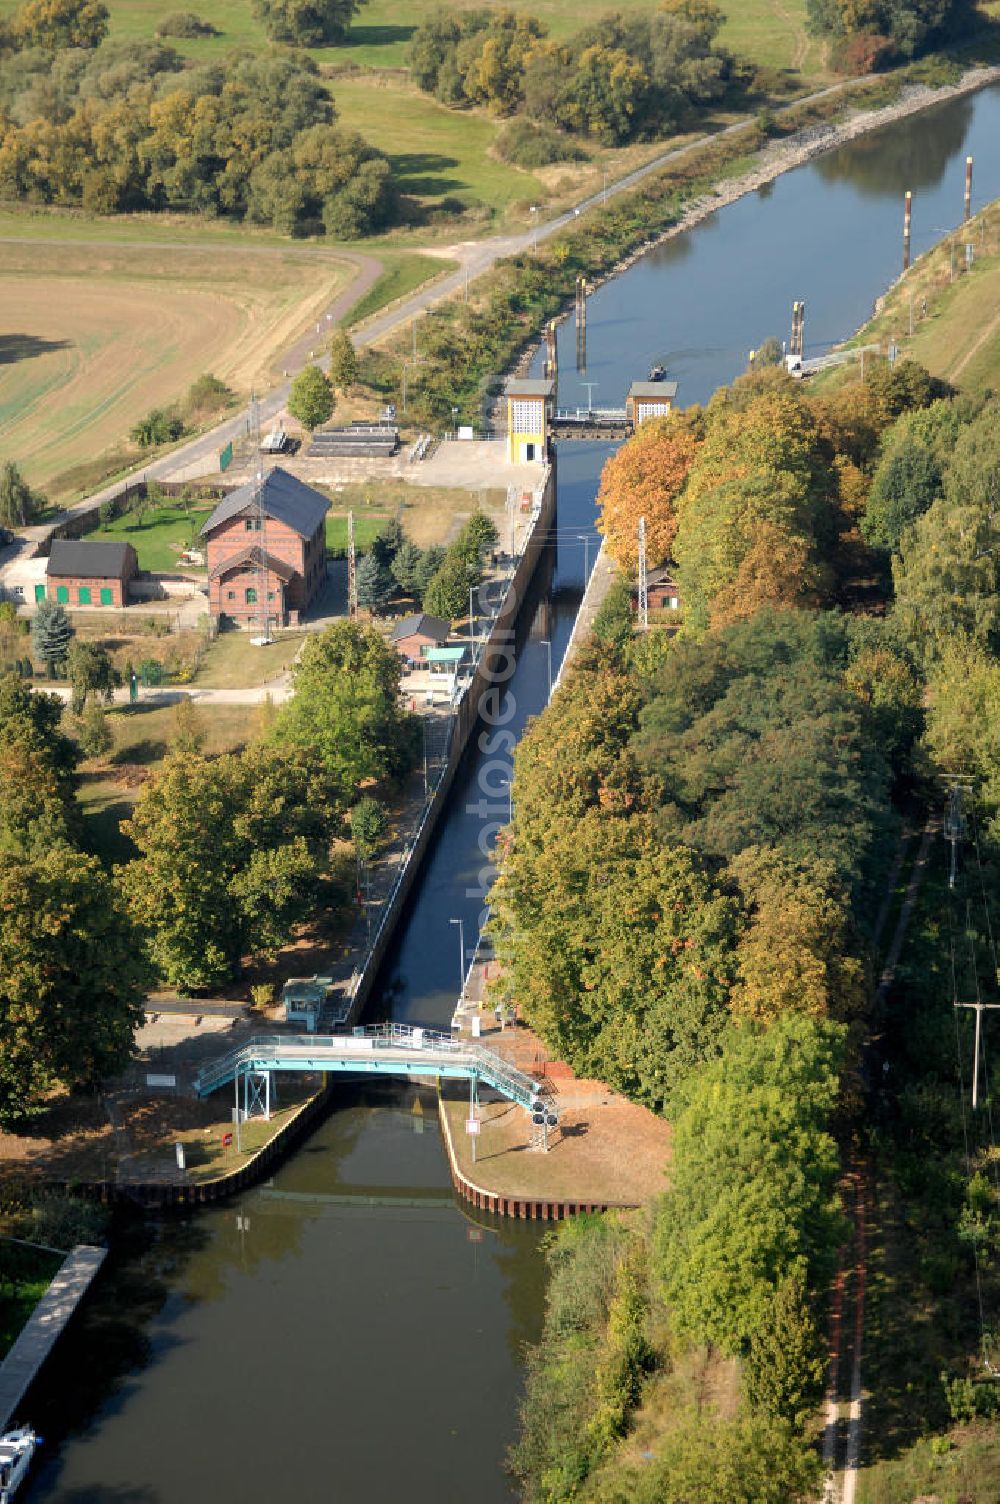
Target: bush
{"type": "Point", "coordinates": [261, 995]}
{"type": "Point", "coordinates": [184, 23]}
{"type": "Point", "coordinates": [206, 397]}
{"type": "Point", "coordinates": [61, 1221]}
{"type": "Point", "coordinates": [160, 426]}
{"type": "Point", "coordinates": [527, 145]}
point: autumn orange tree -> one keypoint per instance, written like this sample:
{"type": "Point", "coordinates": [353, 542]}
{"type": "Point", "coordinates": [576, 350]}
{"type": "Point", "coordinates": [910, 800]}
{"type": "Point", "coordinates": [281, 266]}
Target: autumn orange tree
{"type": "Point", "coordinates": [644, 479]}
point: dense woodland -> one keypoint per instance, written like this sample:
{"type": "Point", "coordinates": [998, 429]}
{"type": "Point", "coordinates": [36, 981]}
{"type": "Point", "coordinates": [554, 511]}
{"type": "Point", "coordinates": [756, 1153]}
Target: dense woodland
{"type": "Point", "coordinates": [619, 79]}
{"type": "Point", "coordinates": [124, 126]}
{"type": "Point", "coordinates": [705, 820]}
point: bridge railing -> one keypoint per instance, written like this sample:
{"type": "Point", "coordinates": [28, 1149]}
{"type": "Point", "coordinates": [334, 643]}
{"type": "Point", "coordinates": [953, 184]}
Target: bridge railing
{"type": "Point", "coordinates": [261, 1049]}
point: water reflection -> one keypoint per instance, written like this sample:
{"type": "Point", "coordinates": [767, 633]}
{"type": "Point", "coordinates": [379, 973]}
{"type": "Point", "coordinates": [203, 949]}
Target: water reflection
{"type": "Point", "coordinates": [917, 157]}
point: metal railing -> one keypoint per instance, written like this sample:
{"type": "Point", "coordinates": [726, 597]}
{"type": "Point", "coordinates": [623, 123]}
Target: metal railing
{"type": "Point", "coordinates": [308, 1051]}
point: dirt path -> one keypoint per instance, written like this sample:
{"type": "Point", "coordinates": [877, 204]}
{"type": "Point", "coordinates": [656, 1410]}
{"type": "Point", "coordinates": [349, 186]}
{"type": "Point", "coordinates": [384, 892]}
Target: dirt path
{"type": "Point", "coordinates": [991, 328]}
{"type": "Point", "coordinates": [842, 1443]}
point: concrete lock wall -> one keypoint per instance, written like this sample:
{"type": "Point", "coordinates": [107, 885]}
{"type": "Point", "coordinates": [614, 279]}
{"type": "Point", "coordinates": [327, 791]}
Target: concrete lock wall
{"type": "Point", "coordinates": [466, 717]}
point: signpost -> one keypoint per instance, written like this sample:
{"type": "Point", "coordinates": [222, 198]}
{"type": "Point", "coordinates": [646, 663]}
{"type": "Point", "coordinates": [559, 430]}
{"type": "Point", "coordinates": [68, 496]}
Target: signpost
{"type": "Point", "coordinates": [226, 456]}
{"type": "Point", "coordinates": [473, 1127]}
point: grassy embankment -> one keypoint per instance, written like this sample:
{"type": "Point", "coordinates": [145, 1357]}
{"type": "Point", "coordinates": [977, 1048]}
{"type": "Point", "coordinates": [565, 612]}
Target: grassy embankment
{"type": "Point", "coordinates": [952, 309]}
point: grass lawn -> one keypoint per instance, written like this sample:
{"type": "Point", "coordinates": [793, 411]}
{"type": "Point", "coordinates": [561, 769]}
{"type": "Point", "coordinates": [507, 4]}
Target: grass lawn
{"type": "Point", "coordinates": [95, 338]}
{"type": "Point", "coordinates": [159, 535]}
{"type": "Point", "coordinates": [232, 662]}
{"type": "Point", "coordinates": [109, 786]}
{"type": "Point", "coordinates": [404, 271]}
{"type": "Point", "coordinates": [436, 152]}
{"type": "Point", "coordinates": [367, 526]}
{"type": "Point", "coordinates": [429, 514]}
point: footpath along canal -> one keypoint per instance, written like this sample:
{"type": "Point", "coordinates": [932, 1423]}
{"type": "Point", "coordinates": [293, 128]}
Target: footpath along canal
{"type": "Point", "coordinates": [347, 1331]}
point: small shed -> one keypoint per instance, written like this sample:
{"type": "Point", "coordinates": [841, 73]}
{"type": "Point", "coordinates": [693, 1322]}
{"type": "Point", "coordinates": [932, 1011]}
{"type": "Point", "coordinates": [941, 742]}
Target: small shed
{"type": "Point", "coordinates": [649, 399]}
{"type": "Point", "coordinates": [662, 591]}
{"type": "Point", "coordinates": [530, 406]}
{"type": "Point", "coordinates": [447, 657]}
{"type": "Point", "coordinates": [414, 633]}
{"type": "Point", "coordinates": [303, 999]}
{"type": "Point", "coordinates": [82, 572]}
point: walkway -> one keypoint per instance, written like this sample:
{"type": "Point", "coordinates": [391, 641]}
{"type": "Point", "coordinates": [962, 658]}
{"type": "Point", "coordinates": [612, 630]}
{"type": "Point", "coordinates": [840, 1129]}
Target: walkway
{"type": "Point", "coordinates": [44, 1325]}
{"type": "Point", "coordinates": [380, 1049]}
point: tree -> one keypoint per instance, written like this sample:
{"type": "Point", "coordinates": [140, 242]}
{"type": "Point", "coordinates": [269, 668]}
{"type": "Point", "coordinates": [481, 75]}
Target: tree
{"type": "Point", "coordinates": [307, 23]}
{"type": "Point", "coordinates": [230, 854]}
{"type": "Point", "coordinates": [388, 541]}
{"type": "Point", "coordinates": [161, 425]}
{"type": "Point", "coordinates": [905, 485]}
{"type": "Point", "coordinates": [19, 504]}
{"type": "Point", "coordinates": [346, 708]}
{"type": "Point", "coordinates": [90, 671]}
{"type": "Point", "coordinates": [71, 978]}
{"type": "Point", "coordinates": [343, 360]}
{"type": "Point", "coordinates": [406, 567]}
{"type": "Point", "coordinates": [753, 1197]}
{"type": "Point", "coordinates": [311, 397]}
{"type": "Point", "coordinates": [447, 595]}
{"type": "Point", "coordinates": [644, 479]}
{"type": "Point", "coordinates": [368, 826]}
{"type": "Point", "coordinates": [800, 952]}
{"type": "Point", "coordinates": [375, 584]}
{"type": "Point", "coordinates": [51, 633]}
{"type": "Point", "coordinates": [430, 562]}
{"type": "Point", "coordinates": [95, 733]}
{"type": "Point", "coordinates": [54, 24]}
{"type": "Point", "coordinates": [786, 1360]}
{"type": "Point", "coordinates": [945, 578]}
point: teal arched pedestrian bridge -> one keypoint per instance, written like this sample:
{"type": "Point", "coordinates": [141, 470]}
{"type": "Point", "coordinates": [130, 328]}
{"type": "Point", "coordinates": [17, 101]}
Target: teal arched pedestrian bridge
{"type": "Point", "coordinates": [380, 1049]}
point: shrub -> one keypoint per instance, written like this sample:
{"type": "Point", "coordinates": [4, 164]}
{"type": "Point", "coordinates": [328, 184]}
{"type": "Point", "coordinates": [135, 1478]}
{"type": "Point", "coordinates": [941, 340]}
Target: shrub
{"type": "Point", "coordinates": [184, 23]}
{"type": "Point", "coordinates": [261, 995]}
{"type": "Point", "coordinates": [162, 425]}
{"type": "Point", "coordinates": [206, 397]}
{"type": "Point", "coordinates": [527, 145]}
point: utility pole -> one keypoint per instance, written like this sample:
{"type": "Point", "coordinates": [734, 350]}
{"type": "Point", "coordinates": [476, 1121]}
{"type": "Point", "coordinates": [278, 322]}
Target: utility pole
{"type": "Point", "coordinates": [260, 522]}
{"type": "Point", "coordinates": [968, 188]}
{"type": "Point", "coordinates": [907, 216]}
{"type": "Point", "coordinates": [643, 586]}
{"type": "Point", "coordinates": [953, 829]}
{"type": "Point", "coordinates": [352, 570]}
{"type": "Point", "coordinates": [979, 1006]}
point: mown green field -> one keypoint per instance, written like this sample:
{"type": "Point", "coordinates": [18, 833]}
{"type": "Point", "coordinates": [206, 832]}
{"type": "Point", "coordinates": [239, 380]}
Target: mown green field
{"type": "Point", "coordinates": [159, 535]}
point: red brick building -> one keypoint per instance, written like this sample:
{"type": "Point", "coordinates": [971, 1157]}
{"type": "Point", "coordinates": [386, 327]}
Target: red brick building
{"type": "Point", "coordinates": [414, 632]}
{"type": "Point", "coordinates": [88, 573]}
{"type": "Point", "coordinates": [280, 556]}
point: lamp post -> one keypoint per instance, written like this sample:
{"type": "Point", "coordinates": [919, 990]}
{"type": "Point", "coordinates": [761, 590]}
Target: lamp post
{"type": "Point", "coordinates": [534, 227]}
{"type": "Point", "coordinates": [461, 957]}
{"type": "Point", "coordinates": [547, 645]}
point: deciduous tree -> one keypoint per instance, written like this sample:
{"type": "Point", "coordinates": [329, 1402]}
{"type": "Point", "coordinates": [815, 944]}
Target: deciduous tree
{"type": "Point", "coordinates": [343, 360]}
{"type": "Point", "coordinates": [307, 23]}
{"type": "Point", "coordinates": [71, 978]}
{"type": "Point", "coordinates": [644, 479]}
{"type": "Point", "coordinates": [346, 708]}
{"type": "Point", "coordinates": [19, 504]}
{"type": "Point", "coordinates": [311, 397]}
{"type": "Point", "coordinates": [90, 671]}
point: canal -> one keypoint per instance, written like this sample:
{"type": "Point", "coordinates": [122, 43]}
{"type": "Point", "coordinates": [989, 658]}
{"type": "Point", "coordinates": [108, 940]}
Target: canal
{"type": "Point", "coordinates": [348, 1331]}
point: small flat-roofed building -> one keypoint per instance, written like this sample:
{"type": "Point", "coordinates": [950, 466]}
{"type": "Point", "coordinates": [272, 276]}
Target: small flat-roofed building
{"type": "Point", "coordinates": [282, 553]}
{"type": "Point", "coordinates": [414, 633]}
{"type": "Point", "coordinates": [88, 572]}
{"type": "Point", "coordinates": [649, 399]}
{"type": "Point", "coordinates": [530, 405]}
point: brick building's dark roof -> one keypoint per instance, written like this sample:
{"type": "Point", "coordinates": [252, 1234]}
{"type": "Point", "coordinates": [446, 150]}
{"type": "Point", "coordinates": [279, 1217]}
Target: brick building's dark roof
{"type": "Point", "coordinates": [286, 499]}
{"type": "Point", "coordinates": [80, 558]}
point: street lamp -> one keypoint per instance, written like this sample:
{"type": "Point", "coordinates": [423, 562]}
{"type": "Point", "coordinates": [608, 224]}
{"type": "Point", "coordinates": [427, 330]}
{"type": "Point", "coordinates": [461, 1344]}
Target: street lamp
{"type": "Point", "coordinates": [461, 957]}
{"type": "Point", "coordinates": [534, 227]}
{"type": "Point", "coordinates": [547, 645]}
